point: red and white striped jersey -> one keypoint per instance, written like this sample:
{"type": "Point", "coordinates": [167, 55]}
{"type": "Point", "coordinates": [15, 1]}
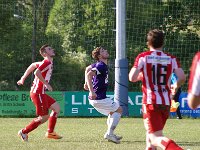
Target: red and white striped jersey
{"type": "Point", "coordinates": [194, 80]}
{"type": "Point", "coordinates": [46, 68]}
{"type": "Point", "coordinates": [157, 68]}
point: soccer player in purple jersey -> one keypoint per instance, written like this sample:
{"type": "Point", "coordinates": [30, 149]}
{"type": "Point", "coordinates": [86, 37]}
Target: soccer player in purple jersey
{"type": "Point", "coordinates": [96, 82]}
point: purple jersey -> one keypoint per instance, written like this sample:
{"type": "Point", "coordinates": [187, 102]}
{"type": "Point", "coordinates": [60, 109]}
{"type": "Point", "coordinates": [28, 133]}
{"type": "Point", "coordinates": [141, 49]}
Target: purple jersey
{"type": "Point", "coordinates": [100, 81]}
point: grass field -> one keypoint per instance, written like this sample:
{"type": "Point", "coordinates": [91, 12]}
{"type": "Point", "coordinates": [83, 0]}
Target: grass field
{"type": "Point", "coordinates": [87, 134]}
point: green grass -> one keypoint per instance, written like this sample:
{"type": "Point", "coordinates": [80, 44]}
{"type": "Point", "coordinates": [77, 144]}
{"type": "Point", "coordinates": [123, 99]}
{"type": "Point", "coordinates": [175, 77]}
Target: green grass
{"type": "Point", "coordinates": [87, 134]}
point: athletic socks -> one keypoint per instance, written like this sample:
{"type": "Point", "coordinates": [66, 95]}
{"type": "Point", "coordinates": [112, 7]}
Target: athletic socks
{"type": "Point", "coordinates": [52, 121]}
{"type": "Point", "coordinates": [114, 120]}
{"type": "Point", "coordinates": [108, 120]}
{"type": "Point", "coordinates": [170, 145]}
{"type": "Point", "coordinates": [33, 125]}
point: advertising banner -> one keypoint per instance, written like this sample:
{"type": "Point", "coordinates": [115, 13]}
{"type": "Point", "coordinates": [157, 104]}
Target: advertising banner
{"type": "Point", "coordinates": [77, 104]}
{"type": "Point", "coordinates": [17, 103]}
{"type": "Point", "coordinates": [135, 104]}
{"type": "Point", "coordinates": [184, 108]}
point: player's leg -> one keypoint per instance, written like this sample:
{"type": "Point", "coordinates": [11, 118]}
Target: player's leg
{"type": "Point", "coordinates": [41, 111]}
{"type": "Point", "coordinates": [114, 120]}
{"type": "Point", "coordinates": [108, 120]}
{"type": "Point", "coordinates": [159, 140]}
{"type": "Point", "coordinates": [32, 126]}
{"type": "Point", "coordinates": [55, 107]}
{"type": "Point", "coordinates": [108, 124]}
{"type": "Point", "coordinates": [53, 116]}
{"type": "Point", "coordinates": [163, 142]}
{"type": "Point", "coordinates": [149, 146]}
{"type": "Point", "coordinates": [176, 99]}
{"type": "Point", "coordinates": [105, 107]}
{"type": "Point", "coordinates": [155, 117]}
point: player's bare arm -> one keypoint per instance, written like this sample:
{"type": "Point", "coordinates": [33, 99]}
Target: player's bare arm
{"type": "Point", "coordinates": [181, 76]}
{"type": "Point", "coordinates": [135, 75]}
{"type": "Point", "coordinates": [193, 101]}
{"type": "Point", "coordinates": [40, 77]}
{"type": "Point", "coordinates": [181, 80]}
{"type": "Point", "coordinates": [89, 76]}
{"type": "Point", "coordinates": [29, 70]}
{"type": "Point", "coordinates": [87, 69]}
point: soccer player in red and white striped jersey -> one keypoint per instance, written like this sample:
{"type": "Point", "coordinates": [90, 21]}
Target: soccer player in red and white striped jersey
{"type": "Point", "coordinates": [41, 100]}
{"type": "Point", "coordinates": [194, 83]}
{"type": "Point", "coordinates": [154, 68]}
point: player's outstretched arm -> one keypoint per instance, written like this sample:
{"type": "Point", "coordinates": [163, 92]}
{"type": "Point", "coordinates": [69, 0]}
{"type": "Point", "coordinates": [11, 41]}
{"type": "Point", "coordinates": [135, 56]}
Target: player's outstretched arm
{"type": "Point", "coordinates": [30, 69]}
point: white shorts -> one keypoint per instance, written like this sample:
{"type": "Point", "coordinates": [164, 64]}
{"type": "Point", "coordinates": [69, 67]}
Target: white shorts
{"type": "Point", "coordinates": [105, 106]}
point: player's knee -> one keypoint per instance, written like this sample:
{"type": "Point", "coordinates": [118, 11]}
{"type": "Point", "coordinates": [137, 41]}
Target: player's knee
{"type": "Point", "coordinates": [119, 110]}
{"type": "Point", "coordinates": [155, 137]}
{"type": "Point", "coordinates": [153, 140]}
{"type": "Point", "coordinates": [42, 119]}
{"type": "Point", "coordinates": [45, 118]}
{"type": "Point", "coordinates": [57, 110]}
{"type": "Point", "coordinates": [56, 107]}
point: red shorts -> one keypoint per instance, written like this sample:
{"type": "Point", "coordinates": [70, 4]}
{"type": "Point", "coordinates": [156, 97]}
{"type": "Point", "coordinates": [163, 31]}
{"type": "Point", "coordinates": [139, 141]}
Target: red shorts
{"type": "Point", "coordinates": [155, 116]}
{"type": "Point", "coordinates": [42, 103]}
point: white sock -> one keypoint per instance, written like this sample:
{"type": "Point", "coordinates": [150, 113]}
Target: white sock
{"type": "Point", "coordinates": [114, 120]}
{"type": "Point", "coordinates": [108, 120]}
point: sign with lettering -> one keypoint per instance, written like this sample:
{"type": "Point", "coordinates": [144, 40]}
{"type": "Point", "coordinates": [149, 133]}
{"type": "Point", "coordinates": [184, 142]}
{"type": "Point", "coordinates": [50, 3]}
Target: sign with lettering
{"type": "Point", "coordinates": [184, 108]}
{"type": "Point", "coordinates": [77, 104]}
{"type": "Point", "coordinates": [18, 103]}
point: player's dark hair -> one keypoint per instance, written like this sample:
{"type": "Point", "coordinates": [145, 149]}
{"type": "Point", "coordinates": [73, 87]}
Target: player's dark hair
{"type": "Point", "coordinates": [42, 49]}
{"type": "Point", "coordinates": [96, 53]}
{"type": "Point", "coordinates": [155, 38]}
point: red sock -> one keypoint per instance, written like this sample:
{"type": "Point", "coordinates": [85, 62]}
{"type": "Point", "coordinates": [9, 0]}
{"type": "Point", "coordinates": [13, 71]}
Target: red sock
{"type": "Point", "coordinates": [33, 125]}
{"type": "Point", "coordinates": [52, 121]}
{"type": "Point", "coordinates": [171, 145]}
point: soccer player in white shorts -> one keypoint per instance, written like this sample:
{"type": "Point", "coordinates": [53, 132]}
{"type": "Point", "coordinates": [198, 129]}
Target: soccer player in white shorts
{"type": "Point", "coordinates": [96, 81]}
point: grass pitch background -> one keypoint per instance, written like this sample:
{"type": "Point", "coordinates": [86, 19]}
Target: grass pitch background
{"type": "Point", "coordinates": [87, 134]}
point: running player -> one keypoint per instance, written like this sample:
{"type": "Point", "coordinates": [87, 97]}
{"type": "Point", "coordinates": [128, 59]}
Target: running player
{"type": "Point", "coordinates": [154, 68]}
{"type": "Point", "coordinates": [96, 76]}
{"type": "Point", "coordinates": [194, 83]}
{"type": "Point", "coordinates": [42, 101]}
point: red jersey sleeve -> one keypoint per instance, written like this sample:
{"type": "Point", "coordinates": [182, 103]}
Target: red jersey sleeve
{"type": "Point", "coordinates": [44, 64]}
{"type": "Point", "coordinates": [139, 61]}
{"type": "Point", "coordinates": [194, 79]}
